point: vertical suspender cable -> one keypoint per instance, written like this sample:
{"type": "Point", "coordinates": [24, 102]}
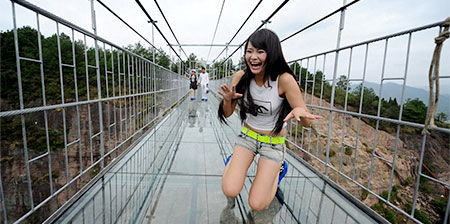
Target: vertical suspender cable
{"type": "Point", "coordinates": [217, 25]}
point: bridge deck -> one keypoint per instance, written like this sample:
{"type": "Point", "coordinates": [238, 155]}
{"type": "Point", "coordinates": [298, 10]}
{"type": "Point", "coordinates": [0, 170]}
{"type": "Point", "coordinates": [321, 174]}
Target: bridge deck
{"type": "Point", "coordinates": [173, 175]}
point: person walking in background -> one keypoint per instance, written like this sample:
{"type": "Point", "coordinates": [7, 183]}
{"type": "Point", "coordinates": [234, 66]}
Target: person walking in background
{"type": "Point", "coordinates": [193, 84]}
{"type": "Point", "coordinates": [203, 81]}
{"type": "Point", "coordinates": [268, 96]}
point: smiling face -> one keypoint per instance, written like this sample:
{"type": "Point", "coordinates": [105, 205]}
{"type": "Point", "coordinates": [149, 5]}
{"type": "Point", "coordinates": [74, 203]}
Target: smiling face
{"type": "Point", "coordinates": [255, 59]}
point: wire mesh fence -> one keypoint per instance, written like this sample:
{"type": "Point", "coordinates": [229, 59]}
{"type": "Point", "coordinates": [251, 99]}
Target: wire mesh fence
{"type": "Point", "coordinates": [72, 102]}
{"type": "Point", "coordinates": [370, 140]}
{"type": "Point", "coordinates": [371, 145]}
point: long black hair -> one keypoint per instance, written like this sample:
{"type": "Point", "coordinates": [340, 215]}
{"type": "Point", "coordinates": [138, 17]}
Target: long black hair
{"type": "Point", "coordinates": [275, 65]}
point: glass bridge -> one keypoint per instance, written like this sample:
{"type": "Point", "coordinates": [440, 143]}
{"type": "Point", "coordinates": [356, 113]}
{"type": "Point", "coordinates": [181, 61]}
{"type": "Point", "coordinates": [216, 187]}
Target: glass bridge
{"type": "Point", "coordinates": [173, 175]}
{"type": "Point", "coordinates": [94, 133]}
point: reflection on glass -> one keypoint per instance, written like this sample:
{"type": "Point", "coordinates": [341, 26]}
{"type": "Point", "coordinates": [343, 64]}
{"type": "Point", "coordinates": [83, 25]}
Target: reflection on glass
{"type": "Point", "coordinates": [192, 115]}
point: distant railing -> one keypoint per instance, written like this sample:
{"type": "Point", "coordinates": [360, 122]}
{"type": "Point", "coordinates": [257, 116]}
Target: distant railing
{"type": "Point", "coordinates": [72, 107]}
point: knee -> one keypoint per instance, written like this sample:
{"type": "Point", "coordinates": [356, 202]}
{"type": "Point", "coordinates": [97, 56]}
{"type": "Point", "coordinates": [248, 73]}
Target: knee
{"type": "Point", "coordinates": [256, 204]}
{"type": "Point", "coordinates": [230, 190]}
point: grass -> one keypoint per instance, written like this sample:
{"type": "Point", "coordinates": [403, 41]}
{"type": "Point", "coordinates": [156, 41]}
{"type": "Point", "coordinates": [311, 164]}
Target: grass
{"type": "Point", "coordinates": [409, 181]}
{"type": "Point", "coordinates": [419, 215]}
{"type": "Point", "coordinates": [439, 205]}
{"type": "Point", "coordinates": [386, 212]}
{"type": "Point", "coordinates": [425, 186]}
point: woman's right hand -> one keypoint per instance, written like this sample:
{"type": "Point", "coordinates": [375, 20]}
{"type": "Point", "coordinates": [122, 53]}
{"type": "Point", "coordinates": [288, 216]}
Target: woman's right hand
{"type": "Point", "coordinates": [229, 94]}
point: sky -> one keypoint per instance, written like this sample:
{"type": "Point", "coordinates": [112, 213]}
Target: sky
{"type": "Point", "coordinates": [194, 22]}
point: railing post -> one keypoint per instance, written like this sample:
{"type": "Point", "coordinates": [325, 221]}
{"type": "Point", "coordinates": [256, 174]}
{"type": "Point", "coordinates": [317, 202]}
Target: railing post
{"type": "Point", "coordinates": [99, 96]}
{"type": "Point", "coordinates": [336, 60]}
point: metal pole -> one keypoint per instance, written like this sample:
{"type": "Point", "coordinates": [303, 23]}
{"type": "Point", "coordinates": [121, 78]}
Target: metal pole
{"type": "Point", "coordinates": [153, 38]}
{"type": "Point", "coordinates": [181, 63]}
{"type": "Point", "coordinates": [99, 95]}
{"type": "Point", "coordinates": [99, 91]}
{"type": "Point", "coordinates": [336, 60]}
{"type": "Point", "coordinates": [226, 64]}
{"type": "Point", "coordinates": [240, 64]}
{"type": "Point", "coordinates": [155, 110]}
{"type": "Point", "coordinates": [170, 60]}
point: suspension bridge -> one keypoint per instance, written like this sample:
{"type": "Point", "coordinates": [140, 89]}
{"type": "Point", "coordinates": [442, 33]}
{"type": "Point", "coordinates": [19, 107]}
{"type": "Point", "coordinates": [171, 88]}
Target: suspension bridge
{"type": "Point", "coordinates": [112, 137]}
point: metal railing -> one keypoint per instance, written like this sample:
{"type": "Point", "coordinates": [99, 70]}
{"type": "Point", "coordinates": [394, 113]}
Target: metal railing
{"type": "Point", "coordinates": [335, 145]}
{"type": "Point", "coordinates": [307, 197]}
{"type": "Point", "coordinates": [132, 186]}
{"type": "Point", "coordinates": [104, 97]}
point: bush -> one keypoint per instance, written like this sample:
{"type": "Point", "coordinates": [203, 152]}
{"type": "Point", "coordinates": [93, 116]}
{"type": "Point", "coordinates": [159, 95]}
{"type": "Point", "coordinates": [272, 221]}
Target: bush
{"type": "Point", "coordinates": [332, 153]}
{"type": "Point", "coordinates": [425, 186]}
{"type": "Point", "coordinates": [385, 212]}
{"type": "Point", "coordinates": [421, 216]}
{"type": "Point", "coordinates": [364, 195]}
{"type": "Point", "coordinates": [390, 216]}
{"type": "Point", "coordinates": [384, 195]}
{"type": "Point", "coordinates": [439, 205]}
{"type": "Point", "coordinates": [395, 188]}
{"type": "Point", "coordinates": [409, 180]}
{"type": "Point", "coordinates": [348, 151]}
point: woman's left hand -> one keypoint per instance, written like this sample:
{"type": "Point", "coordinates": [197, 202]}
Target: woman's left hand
{"type": "Point", "coordinates": [300, 114]}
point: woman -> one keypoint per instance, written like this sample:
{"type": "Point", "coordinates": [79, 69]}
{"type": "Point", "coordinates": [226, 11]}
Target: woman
{"type": "Point", "coordinates": [268, 96]}
{"type": "Point", "coordinates": [193, 84]}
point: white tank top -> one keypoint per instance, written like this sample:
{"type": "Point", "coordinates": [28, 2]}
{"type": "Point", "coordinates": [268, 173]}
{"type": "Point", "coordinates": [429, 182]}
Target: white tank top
{"type": "Point", "coordinates": [268, 102]}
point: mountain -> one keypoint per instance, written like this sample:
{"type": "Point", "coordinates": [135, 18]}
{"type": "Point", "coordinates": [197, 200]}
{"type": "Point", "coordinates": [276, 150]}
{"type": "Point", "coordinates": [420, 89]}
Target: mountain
{"type": "Point", "coordinates": [394, 90]}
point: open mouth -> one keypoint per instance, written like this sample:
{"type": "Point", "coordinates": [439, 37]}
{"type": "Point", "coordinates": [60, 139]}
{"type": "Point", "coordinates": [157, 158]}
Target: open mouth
{"type": "Point", "coordinates": [255, 66]}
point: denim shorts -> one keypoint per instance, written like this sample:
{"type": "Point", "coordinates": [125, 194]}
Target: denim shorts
{"type": "Point", "coordinates": [267, 151]}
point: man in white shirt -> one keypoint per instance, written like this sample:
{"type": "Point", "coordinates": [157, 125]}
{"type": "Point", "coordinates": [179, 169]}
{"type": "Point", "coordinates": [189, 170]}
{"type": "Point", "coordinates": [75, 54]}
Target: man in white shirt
{"type": "Point", "coordinates": [203, 81]}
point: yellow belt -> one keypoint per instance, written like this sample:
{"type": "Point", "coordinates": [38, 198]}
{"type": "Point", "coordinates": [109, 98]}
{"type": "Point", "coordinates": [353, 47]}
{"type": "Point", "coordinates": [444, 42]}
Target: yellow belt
{"type": "Point", "coordinates": [263, 138]}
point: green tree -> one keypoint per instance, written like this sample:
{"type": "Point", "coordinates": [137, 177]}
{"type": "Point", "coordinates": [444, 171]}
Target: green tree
{"type": "Point", "coordinates": [219, 67]}
{"type": "Point", "coordinates": [163, 59]}
{"type": "Point", "coordinates": [241, 64]}
{"type": "Point", "coordinates": [441, 116]}
{"type": "Point", "coordinates": [414, 110]}
{"type": "Point", "coordinates": [370, 99]}
{"type": "Point", "coordinates": [140, 50]}
{"type": "Point", "coordinates": [343, 83]}
{"type": "Point", "coordinates": [390, 109]}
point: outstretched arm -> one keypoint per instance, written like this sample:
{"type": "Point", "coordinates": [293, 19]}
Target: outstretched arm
{"type": "Point", "coordinates": [288, 86]}
{"type": "Point", "coordinates": [229, 94]}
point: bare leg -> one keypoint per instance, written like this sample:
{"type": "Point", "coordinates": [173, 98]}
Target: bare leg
{"type": "Point", "coordinates": [235, 172]}
{"type": "Point", "coordinates": [265, 184]}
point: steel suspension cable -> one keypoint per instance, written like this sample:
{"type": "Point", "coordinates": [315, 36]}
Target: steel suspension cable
{"type": "Point", "coordinates": [259, 27]}
{"type": "Point", "coordinates": [165, 19]}
{"type": "Point", "coordinates": [129, 26]}
{"type": "Point", "coordinates": [320, 20]}
{"type": "Point", "coordinates": [157, 28]}
{"type": "Point", "coordinates": [217, 25]}
{"type": "Point", "coordinates": [248, 17]}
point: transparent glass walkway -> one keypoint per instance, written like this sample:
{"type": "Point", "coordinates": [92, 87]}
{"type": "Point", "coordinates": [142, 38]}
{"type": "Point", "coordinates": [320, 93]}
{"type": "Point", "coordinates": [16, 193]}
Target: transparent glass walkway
{"type": "Point", "coordinates": [173, 175]}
